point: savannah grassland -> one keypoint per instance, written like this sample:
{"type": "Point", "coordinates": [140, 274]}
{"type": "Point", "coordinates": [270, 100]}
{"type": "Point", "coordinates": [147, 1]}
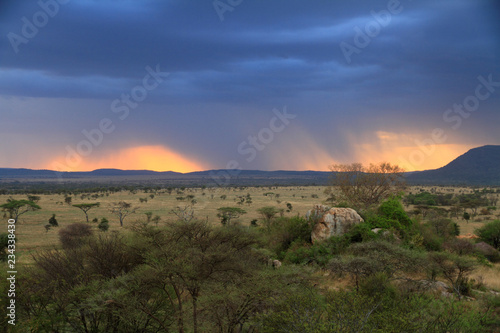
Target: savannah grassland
{"type": "Point", "coordinates": [32, 236]}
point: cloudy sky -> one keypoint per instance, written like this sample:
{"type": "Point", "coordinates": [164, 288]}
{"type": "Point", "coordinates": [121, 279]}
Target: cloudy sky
{"type": "Point", "coordinates": [298, 85]}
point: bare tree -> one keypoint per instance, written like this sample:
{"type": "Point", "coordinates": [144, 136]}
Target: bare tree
{"type": "Point", "coordinates": [362, 187]}
{"type": "Point", "coordinates": [185, 214]}
{"type": "Point", "coordinates": [122, 209]}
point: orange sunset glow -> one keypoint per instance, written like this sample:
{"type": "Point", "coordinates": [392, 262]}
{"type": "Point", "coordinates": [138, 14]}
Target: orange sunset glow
{"type": "Point", "coordinates": [410, 151]}
{"type": "Point", "coordinates": [155, 158]}
{"type": "Point", "coordinates": [303, 152]}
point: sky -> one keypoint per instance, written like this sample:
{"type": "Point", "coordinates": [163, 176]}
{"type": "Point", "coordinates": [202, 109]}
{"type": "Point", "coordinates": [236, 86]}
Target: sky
{"type": "Point", "coordinates": [187, 85]}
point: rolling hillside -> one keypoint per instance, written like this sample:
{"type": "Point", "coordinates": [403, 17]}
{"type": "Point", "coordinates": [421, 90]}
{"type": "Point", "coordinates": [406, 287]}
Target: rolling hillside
{"type": "Point", "coordinates": [479, 166]}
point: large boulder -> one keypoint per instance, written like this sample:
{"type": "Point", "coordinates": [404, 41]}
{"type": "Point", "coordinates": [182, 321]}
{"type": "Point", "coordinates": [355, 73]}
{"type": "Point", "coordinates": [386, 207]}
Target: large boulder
{"type": "Point", "coordinates": [488, 251]}
{"type": "Point", "coordinates": [331, 221]}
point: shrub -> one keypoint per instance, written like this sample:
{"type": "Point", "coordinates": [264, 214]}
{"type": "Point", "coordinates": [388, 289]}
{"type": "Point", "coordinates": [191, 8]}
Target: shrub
{"type": "Point", "coordinates": [390, 215]}
{"type": "Point", "coordinates": [377, 286]}
{"type": "Point", "coordinates": [287, 230]}
{"type": "Point", "coordinates": [4, 243]}
{"type": "Point", "coordinates": [460, 246]}
{"type": "Point", "coordinates": [455, 269]}
{"type": "Point", "coordinates": [104, 224]}
{"type": "Point", "coordinates": [360, 233]}
{"type": "Point", "coordinates": [300, 253]}
{"type": "Point", "coordinates": [393, 210]}
{"type": "Point", "coordinates": [490, 233]}
{"type": "Point", "coordinates": [74, 235]}
{"type": "Point", "coordinates": [53, 221]}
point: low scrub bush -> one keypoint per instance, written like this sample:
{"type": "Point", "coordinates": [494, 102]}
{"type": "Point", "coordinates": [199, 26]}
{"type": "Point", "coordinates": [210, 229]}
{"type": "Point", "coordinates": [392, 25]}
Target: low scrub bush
{"type": "Point", "coordinates": [74, 235]}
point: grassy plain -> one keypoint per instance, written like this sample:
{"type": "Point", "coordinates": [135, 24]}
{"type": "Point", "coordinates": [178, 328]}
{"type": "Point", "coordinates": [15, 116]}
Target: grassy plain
{"type": "Point", "coordinates": [32, 236]}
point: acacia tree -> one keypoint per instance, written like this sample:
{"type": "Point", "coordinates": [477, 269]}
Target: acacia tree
{"type": "Point", "coordinates": [122, 209]}
{"type": "Point", "coordinates": [268, 213]}
{"type": "Point", "coordinates": [364, 186]}
{"type": "Point", "coordinates": [85, 207]}
{"type": "Point", "coordinates": [34, 198]}
{"type": "Point", "coordinates": [18, 207]}
{"type": "Point", "coordinates": [187, 258]}
{"type": "Point", "coordinates": [226, 214]}
{"type": "Point", "coordinates": [455, 269]}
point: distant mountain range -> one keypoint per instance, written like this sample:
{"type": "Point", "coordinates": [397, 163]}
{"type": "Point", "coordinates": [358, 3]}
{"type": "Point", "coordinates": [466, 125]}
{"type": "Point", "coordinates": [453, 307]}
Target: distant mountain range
{"type": "Point", "coordinates": [479, 166]}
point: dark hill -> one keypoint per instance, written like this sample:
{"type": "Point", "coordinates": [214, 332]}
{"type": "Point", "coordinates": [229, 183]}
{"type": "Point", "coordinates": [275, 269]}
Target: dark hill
{"type": "Point", "coordinates": [478, 166]}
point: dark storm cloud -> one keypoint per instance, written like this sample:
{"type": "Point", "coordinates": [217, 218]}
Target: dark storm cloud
{"type": "Point", "coordinates": [263, 55]}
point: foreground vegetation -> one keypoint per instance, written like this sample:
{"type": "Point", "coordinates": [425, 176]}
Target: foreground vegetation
{"type": "Point", "coordinates": [209, 263]}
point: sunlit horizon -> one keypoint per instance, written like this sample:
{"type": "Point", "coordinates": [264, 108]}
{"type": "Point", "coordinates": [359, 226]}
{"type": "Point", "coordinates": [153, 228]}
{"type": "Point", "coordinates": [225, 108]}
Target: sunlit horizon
{"type": "Point", "coordinates": [161, 159]}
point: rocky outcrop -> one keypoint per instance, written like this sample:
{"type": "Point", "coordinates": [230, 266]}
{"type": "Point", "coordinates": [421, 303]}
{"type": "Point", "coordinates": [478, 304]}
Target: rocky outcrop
{"type": "Point", "coordinates": [331, 221]}
{"type": "Point", "coordinates": [488, 251]}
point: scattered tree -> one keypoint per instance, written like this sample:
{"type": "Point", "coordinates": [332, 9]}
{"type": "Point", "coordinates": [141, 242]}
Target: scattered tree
{"type": "Point", "coordinates": [226, 214]}
{"type": "Point", "coordinates": [362, 187]}
{"type": "Point", "coordinates": [456, 269]}
{"type": "Point", "coordinates": [466, 216]}
{"type": "Point", "coordinates": [122, 209]}
{"type": "Point", "coordinates": [185, 214]}
{"type": "Point", "coordinates": [34, 198]}
{"type": "Point", "coordinates": [156, 219]}
{"type": "Point", "coordinates": [268, 213]}
{"type": "Point", "coordinates": [53, 221]}
{"type": "Point", "coordinates": [85, 207]}
{"type": "Point", "coordinates": [16, 208]}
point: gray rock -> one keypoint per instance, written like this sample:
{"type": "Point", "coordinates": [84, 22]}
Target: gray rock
{"type": "Point", "coordinates": [331, 221]}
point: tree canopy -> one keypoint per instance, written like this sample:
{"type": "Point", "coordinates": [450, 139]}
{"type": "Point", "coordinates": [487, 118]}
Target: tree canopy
{"type": "Point", "coordinates": [364, 186]}
{"type": "Point", "coordinates": [226, 214]}
{"type": "Point", "coordinates": [18, 207]}
{"type": "Point", "coordinates": [85, 207]}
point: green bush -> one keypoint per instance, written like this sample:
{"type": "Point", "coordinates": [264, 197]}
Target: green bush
{"type": "Point", "coordinates": [287, 230]}
{"type": "Point", "coordinates": [390, 215]}
{"type": "Point", "coordinates": [392, 209]}
{"type": "Point", "coordinates": [360, 233]}
{"type": "Point", "coordinates": [300, 253]}
{"type": "Point", "coordinates": [4, 242]}
{"type": "Point", "coordinates": [104, 224]}
{"type": "Point", "coordinates": [53, 221]}
{"type": "Point", "coordinates": [490, 233]}
{"type": "Point", "coordinates": [377, 286]}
